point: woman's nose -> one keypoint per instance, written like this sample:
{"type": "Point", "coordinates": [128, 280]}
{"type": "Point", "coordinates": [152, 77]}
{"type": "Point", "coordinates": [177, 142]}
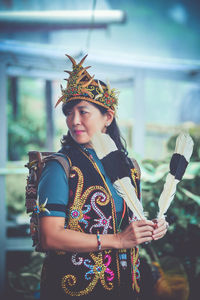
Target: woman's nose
{"type": "Point", "coordinates": [76, 118]}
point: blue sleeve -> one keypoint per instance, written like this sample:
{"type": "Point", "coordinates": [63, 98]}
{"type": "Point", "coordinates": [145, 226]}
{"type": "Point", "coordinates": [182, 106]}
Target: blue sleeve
{"type": "Point", "coordinates": [53, 186]}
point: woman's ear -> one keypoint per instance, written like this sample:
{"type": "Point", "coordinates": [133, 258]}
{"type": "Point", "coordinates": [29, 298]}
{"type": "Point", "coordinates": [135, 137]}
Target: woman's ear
{"type": "Point", "coordinates": [109, 117]}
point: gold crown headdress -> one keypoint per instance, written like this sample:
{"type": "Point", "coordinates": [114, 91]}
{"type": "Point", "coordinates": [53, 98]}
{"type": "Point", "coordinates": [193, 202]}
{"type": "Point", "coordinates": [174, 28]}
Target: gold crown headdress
{"type": "Point", "coordinates": [82, 86]}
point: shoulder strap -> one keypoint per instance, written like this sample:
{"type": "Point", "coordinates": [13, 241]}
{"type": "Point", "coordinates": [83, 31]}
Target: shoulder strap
{"type": "Point", "coordinates": [61, 160]}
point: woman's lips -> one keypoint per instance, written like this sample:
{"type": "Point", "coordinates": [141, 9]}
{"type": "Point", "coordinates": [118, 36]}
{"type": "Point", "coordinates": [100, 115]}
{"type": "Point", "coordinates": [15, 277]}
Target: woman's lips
{"type": "Point", "coordinates": [77, 132]}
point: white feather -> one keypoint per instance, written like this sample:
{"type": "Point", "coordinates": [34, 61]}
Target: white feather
{"type": "Point", "coordinates": [125, 190]}
{"type": "Point", "coordinates": [167, 195]}
{"type": "Point", "coordinates": [184, 146]}
{"type": "Point", "coordinates": [103, 145]}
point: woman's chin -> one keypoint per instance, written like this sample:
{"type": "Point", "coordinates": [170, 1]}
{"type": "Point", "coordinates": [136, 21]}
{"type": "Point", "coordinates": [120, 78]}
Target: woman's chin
{"type": "Point", "coordinates": [81, 141]}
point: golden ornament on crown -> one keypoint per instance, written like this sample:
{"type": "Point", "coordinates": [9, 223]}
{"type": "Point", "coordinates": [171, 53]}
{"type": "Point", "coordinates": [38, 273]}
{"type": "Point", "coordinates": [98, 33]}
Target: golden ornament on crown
{"type": "Point", "coordinates": [82, 86]}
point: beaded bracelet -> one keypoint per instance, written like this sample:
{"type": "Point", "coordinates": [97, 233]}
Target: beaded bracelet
{"type": "Point", "coordinates": [98, 241]}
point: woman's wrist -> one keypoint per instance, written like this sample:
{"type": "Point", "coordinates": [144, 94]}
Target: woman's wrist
{"type": "Point", "coordinates": [110, 241]}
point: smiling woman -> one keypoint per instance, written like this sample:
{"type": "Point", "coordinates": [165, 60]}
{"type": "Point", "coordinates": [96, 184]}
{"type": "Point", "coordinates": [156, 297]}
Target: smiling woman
{"type": "Point", "coordinates": [90, 235]}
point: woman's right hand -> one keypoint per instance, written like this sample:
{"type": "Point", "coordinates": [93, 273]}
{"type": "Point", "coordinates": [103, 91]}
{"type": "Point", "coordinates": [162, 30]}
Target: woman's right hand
{"type": "Point", "coordinates": [136, 233]}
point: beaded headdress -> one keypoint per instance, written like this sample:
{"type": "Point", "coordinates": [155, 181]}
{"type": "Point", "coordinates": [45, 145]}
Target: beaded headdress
{"type": "Point", "coordinates": [82, 86]}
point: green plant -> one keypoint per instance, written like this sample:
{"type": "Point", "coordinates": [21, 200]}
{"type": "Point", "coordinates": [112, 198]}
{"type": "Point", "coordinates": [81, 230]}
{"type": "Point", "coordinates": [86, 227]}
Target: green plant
{"type": "Point", "coordinates": [26, 127]}
{"type": "Point", "coordinates": [15, 194]}
{"type": "Point", "coordinates": [184, 212]}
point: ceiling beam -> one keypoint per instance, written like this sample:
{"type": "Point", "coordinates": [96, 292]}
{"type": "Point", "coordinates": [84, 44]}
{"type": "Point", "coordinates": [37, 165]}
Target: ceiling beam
{"type": "Point", "coordinates": [50, 61]}
{"type": "Point", "coordinates": [57, 19]}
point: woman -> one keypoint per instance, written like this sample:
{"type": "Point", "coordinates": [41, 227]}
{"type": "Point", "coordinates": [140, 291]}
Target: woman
{"type": "Point", "coordinates": [90, 235]}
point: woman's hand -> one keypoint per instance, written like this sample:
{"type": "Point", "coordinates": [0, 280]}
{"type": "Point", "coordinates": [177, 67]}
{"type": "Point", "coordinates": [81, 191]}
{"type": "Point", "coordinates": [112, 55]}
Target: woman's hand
{"type": "Point", "coordinates": [160, 228]}
{"type": "Point", "coordinates": [136, 233]}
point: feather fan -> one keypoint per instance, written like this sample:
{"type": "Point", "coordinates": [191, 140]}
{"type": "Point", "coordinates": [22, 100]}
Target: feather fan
{"type": "Point", "coordinates": [178, 165]}
{"type": "Point", "coordinates": [104, 147]}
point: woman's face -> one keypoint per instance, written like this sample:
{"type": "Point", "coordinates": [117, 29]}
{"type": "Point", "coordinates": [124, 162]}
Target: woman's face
{"type": "Point", "coordinates": [84, 119]}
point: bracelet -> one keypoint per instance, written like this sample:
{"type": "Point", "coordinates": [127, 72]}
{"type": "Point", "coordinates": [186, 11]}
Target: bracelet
{"type": "Point", "coordinates": [98, 241]}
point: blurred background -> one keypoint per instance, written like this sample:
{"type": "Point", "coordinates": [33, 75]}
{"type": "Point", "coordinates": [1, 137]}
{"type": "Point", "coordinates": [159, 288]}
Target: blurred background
{"type": "Point", "coordinates": [150, 51]}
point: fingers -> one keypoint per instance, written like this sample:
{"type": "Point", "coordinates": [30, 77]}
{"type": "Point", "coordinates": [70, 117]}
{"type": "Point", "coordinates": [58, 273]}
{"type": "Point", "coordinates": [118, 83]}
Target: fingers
{"type": "Point", "coordinates": [136, 233]}
{"type": "Point", "coordinates": [146, 234]}
{"type": "Point", "coordinates": [144, 223]}
{"type": "Point", "coordinates": [143, 231]}
{"type": "Point", "coordinates": [160, 229]}
{"type": "Point", "coordinates": [144, 240]}
{"type": "Point", "coordinates": [143, 236]}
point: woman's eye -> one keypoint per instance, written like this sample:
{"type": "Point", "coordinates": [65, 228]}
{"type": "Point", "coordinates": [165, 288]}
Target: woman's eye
{"type": "Point", "coordinates": [68, 113]}
{"type": "Point", "coordinates": [83, 112]}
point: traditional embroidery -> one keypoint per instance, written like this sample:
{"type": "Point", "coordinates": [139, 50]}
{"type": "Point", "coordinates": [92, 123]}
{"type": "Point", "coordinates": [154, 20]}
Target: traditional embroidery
{"type": "Point", "coordinates": [76, 214]}
{"type": "Point", "coordinates": [79, 209]}
{"type": "Point", "coordinates": [92, 208]}
{"type": "Point", "coordinates": [135, 176]}
{"type": "Point", "coordinates": [98, 270]}
{"type": "Point", "coordinates": [77, 260]}
{"type": "Point", "coordinates": [135, 271]}
{"type": "Point", "coordinates": [123, 258]}
{"type": "Point", "coordinates": [92, 268]}
{"type": "Point", "coordinates": [60, 252]}
{"type": "Point", "coordinates": [107, 189]}
{"type": "Point", "coordinates": [102, 199]}
{"type": "Point", "coordinates": [107, 261]}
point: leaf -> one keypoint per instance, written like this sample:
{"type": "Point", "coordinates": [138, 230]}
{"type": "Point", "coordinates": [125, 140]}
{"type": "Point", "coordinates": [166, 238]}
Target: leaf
{"type": "Point", "coordinates": [179, 195]}
{"type": "Point", "coordinates": [149, 167]}
{"type": "Point", "coordinates": [192, 196]}
{"type": "Point", "coordinates": [155, 176]}
{"type": "Point", "coordinates": [193, 169]}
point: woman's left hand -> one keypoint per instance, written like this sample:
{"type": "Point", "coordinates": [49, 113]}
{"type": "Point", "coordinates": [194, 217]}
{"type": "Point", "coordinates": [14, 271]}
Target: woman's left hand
{"type": "Point", "coordinates": [160, 230]}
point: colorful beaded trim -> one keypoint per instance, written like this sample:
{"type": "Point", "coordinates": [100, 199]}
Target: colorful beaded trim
{"type": "Point", "coordinates": [98, 241]}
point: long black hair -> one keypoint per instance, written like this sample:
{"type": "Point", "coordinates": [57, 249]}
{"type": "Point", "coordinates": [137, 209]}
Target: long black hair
{"type": "Point", "coordinates": [112, 130]}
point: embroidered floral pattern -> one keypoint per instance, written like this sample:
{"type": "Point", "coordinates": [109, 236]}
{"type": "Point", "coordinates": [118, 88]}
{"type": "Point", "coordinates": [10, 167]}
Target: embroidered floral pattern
{"type": "Point", "coordinates": [76, 260]}
{"type": "Point", "coordinates": [97, 271]}
{"type": "Point", "coordinates": [79, 210]}
{"type": "Point", "coordinates": [104, 222]}
{"type": "Point", "coordinates": [107, 261]}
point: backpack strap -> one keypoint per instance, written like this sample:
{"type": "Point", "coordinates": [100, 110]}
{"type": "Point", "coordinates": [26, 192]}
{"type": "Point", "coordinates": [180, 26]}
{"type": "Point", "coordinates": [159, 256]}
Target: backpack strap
{"type": "Point", "coordinates": [37, 161]}
{"type": "Point", "coordinates": [66, 166]}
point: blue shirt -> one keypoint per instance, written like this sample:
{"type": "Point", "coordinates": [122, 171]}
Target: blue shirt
{"type": "Point", "coordinates": [54, 186]}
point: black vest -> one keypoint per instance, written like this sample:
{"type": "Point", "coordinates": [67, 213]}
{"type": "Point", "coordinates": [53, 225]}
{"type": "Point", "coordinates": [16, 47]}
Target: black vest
{"type": "Point", "coordinates": [91, 208]}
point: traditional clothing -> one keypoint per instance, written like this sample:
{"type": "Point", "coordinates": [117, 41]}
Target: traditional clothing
{"type": "Point", "coordinates": [91, 209]}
